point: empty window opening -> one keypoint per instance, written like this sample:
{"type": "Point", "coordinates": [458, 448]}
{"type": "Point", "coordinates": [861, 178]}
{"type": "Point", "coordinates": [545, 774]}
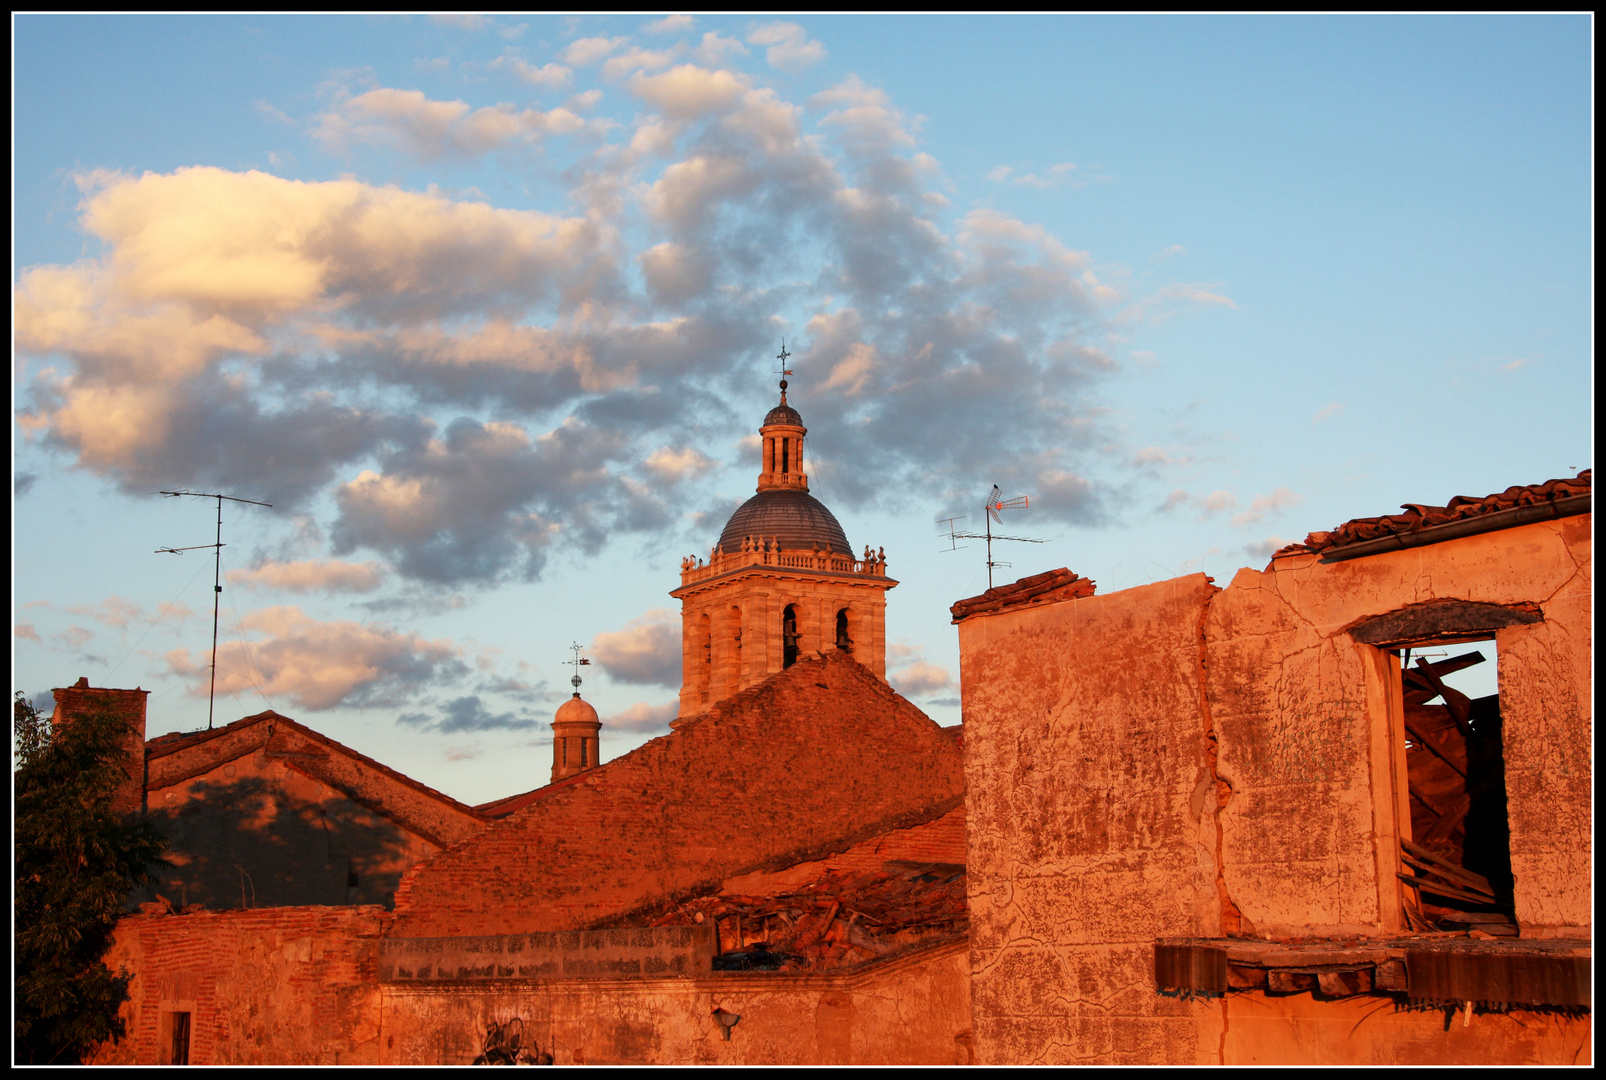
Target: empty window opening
{"type": "Point", "coordinates": [844, 640]}
{"type": "Point", "coordinates": [176, 1037]}
{"type": "Point", "coordinates": [565, 743]}
{"type": "Point", "coordinates": [788, 636]}
{"type": "Point", "coordinates": [786, 455]}
{"type": "Point", "coordinates": [1457, 857]}
{"type": "Point", "coordinates": [583, 745]}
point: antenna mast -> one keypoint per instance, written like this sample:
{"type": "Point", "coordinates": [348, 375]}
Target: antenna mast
{"type": "Point", "coordinates": [993, 506]}
{"type": "Point", "coordinates": [217, 575]}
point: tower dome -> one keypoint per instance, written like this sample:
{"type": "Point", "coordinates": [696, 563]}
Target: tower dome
{"type": "Point", "coordinates": [783, 510]}
{"type": "Point", "coordinates": [575, 730]}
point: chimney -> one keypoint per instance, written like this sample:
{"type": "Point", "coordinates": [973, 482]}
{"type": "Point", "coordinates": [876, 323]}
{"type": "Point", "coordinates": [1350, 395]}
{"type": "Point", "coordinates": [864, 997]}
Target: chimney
{"type": "Point", "coordinates": [80, 699]}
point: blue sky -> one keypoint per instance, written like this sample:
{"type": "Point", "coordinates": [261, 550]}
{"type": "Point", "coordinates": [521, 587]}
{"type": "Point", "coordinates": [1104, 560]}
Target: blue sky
{"type": "Point", "coordinates": [487, 307]}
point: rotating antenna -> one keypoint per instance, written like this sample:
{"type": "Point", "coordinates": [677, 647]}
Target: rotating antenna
{"type": "Point", "coordinates": [217, 574]}
{"type": "Point", "coordinates": [994, 507]}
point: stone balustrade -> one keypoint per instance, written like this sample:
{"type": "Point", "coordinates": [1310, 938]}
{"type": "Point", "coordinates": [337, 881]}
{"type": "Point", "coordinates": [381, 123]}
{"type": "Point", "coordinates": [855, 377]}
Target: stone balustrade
{"type": "Point", "coordinates": [766, 552]}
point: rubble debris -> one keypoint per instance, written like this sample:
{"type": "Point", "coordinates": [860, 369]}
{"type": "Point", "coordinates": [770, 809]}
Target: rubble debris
{"type": "Point", "coordinates": [841, 918]}
{"type": "Point", "coordinates": [1049, 587]}
{"type": "Point", "coordinates": [1459, 862]}
{"type": "Point", "coordinates": [1420, 516]}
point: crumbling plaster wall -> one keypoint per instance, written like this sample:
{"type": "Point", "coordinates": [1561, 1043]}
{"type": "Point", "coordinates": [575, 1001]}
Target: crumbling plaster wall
{"type": "Point", "coordinates": [1299, 1029]}
{"type": "Point", "coordinates": [912, 1010]}
{"type": "Point", "coordinates": [1299, 707]}
{"type": "Point", "coordinates": [276, 986]}
{"type": "Point", "coordinates": [1090, 802]}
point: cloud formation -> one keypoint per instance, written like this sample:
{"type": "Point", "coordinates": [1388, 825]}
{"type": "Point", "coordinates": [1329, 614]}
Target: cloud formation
{"type": "Point", "coordinates": [320, 665]}
{"type": "Point", "coordinates": [310, 575]}
{"type": "Point", "coordinates": [646, 651]}
{"type": "Point", "coordinates": [472, 387]}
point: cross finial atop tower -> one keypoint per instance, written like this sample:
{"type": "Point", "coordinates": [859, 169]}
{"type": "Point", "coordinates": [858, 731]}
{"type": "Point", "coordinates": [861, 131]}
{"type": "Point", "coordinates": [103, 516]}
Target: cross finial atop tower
{"type": "Point", "coordinates": [783, 371]}
{"type": "Point", "coordinates": [577, 663]}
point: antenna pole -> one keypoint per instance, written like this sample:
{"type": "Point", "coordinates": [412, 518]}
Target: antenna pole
{"type": "Point", "coordinates": [217, 576]}
{"type": "Point", "coordinates": [989, 520]}
{"type": "Point", "coordinates": [217, 596]}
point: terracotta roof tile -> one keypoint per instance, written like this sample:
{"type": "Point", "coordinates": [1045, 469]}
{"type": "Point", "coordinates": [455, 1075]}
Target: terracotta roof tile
{"type": "Point", "coordinates": [1419, 516]}
{"type": "Point", "coordinates": [1046, 588]}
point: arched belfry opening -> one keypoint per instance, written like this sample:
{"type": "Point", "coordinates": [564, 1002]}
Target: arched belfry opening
{"type": "Point", "coordinates": [789, 636]}
{"type": "Point", "coordinates": [781, 583]}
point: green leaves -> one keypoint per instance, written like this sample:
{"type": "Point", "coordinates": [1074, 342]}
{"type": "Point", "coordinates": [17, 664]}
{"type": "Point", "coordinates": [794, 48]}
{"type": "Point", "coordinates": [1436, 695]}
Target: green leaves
{"type": "Point", "coordinates": [76, 859]}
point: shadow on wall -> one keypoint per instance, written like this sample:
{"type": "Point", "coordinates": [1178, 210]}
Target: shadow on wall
{"type": "Point", "coordinates": [248, 843]}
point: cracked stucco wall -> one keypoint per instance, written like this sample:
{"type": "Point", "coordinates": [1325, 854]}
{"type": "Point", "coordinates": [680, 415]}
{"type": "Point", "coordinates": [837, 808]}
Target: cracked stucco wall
{"type": "Point", "coordinates": [1307, 843]}
{"type": "Point", "coordinates": [1091, 810]}
{"type": "Point", "coordinates": [1122, 751]}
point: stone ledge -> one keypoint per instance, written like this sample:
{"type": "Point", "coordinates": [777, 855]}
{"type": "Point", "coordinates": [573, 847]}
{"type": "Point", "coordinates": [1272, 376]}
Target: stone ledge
{"type": "Point", "coordinates": [1524, 972]}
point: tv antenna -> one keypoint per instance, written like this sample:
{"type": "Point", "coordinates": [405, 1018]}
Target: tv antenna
{"type": "Point", "coordinates": [577, 663]}
{"type": "Point", "coordinates": [994, 507]}
{"type": "Point", "coordinates": [217, 574]}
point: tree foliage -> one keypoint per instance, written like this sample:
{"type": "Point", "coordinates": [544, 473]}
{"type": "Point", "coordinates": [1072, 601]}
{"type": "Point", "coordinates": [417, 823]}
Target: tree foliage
{"type": "Point", "coordinates": [76, 861]}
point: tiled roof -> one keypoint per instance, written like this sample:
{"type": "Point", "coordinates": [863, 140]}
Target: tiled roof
{"type": "Point", "coordinates": [1044, 588]}
{"type": "Point", "coordinates": [1419, 518]}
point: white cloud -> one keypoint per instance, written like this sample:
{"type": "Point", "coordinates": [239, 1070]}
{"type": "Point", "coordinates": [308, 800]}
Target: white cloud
{"type": "Point", "coordinates": [688, 91]}
{"type": "Point", "coordinates": [319, 665]}
{"type": "Point", "coordinates": [647, 650]}
{"type": "Point", "coordinates": [429, 130]}
{"type": "Point", "coordinates": [670, 24]}
{"type": "Point", "coordinates": [789, 47]}
{"type": "Point", "coordinates": [588, 51]}
{"type": "Point", "coordinates": [681, 463]}
{"type": "Point", "coordinates": [310, 575]}
{"type": "Point", "coordinates": [1328, 411]}
{"type": "Point", "coordinates": [641, 718]}
{"type": "Point", "coordinates": [1262, 505]}
{"type": "Point", "coordinates": [550, 76]}
{"type": "Point", "coordinates": [1268, 547]}
{"type": "Point", "coordinates": [920, 679]}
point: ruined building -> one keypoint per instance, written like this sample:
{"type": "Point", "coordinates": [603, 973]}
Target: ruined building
{"type": "Point", "coordinates": [1185, 823]}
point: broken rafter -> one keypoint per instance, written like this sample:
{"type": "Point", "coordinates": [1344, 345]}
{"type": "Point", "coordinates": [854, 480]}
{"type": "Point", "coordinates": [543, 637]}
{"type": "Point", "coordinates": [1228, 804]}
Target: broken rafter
{"type": "Point", "coordinates": [1459, 704]}
{"type": "Point", "coordinates": [1447, 869]}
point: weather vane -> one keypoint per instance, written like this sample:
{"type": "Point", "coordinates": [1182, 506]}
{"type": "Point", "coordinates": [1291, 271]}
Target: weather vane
{"type": "Point", "coordinates": [577, 663]}
{"type": "Point", "coordinates": [994, 506]}
{"type": "Point", "coordinates": [783, 371]}
{"type": "Point", "coordinates": [217, 569]}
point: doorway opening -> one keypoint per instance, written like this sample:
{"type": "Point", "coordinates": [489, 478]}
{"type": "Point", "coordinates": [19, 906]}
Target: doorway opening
{"type": "Point", "coordinates": [1456, 849]}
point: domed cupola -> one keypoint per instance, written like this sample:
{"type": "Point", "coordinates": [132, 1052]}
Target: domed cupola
{"type": "Point", "coordinates": [783, 512]}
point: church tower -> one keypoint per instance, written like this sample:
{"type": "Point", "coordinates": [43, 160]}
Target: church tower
{"type": "Point", "coordinates": [575, 728]}
{"type": "Point", "coordinates": [782, 583]}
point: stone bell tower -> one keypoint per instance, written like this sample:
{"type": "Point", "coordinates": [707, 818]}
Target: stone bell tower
{"type": "Point", "coordinates": [781, 583]}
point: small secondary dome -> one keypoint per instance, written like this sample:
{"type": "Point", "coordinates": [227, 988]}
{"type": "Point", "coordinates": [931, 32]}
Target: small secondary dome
{"type": "Point", "coordinates": [783, 414]}
{"type": "Point", "coordinates": [575, 711]}
{"type": "Point", "coordinates": [796, 519]}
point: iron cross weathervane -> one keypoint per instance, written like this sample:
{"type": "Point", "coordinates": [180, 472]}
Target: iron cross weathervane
{"type": "Point", "coordinates": [577, 663]}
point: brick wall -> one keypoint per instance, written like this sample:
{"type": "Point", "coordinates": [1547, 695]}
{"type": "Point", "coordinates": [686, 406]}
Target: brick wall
{"type": "Point", "coordinates": [129, 707]}
{"type": "Point", "coordinates": [821, 756]}
{"type": "Point", "coordinates": [275, 986]}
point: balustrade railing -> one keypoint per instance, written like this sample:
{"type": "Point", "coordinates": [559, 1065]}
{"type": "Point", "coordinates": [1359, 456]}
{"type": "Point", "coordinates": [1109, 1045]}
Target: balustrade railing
{"type": "Point", "coordinates": [719, 562]}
